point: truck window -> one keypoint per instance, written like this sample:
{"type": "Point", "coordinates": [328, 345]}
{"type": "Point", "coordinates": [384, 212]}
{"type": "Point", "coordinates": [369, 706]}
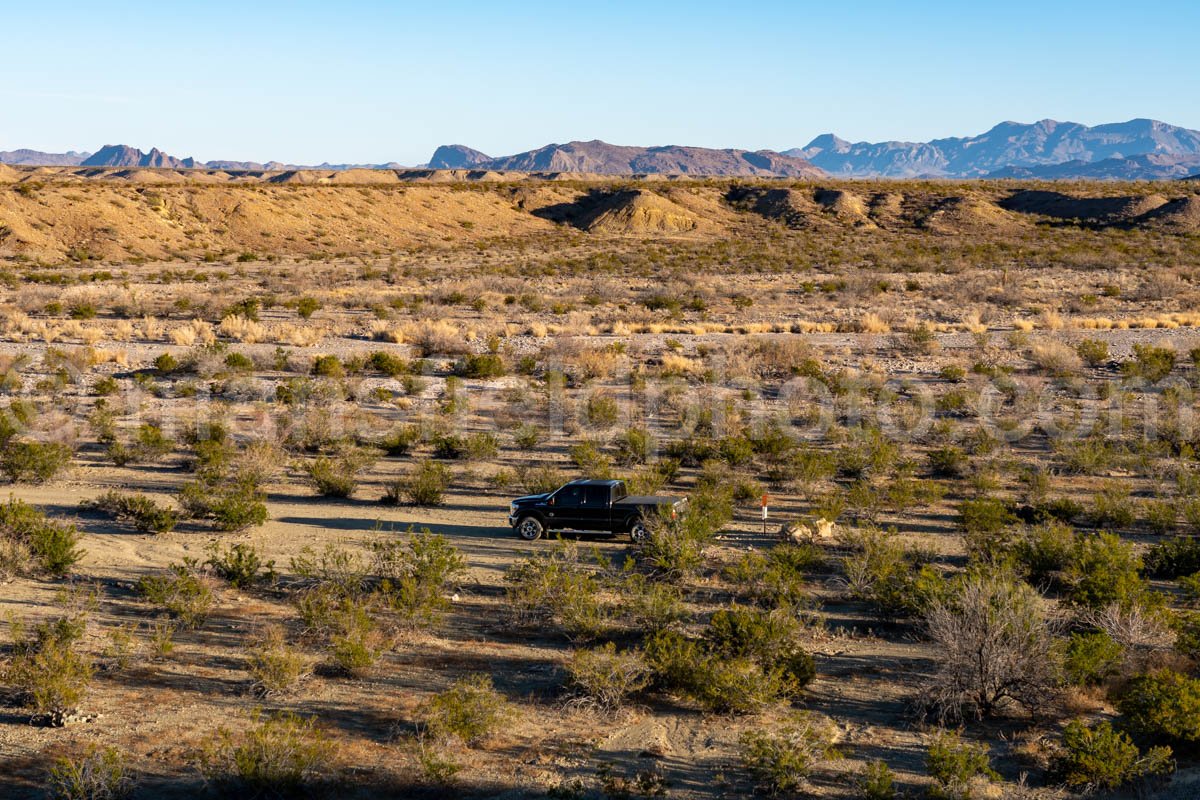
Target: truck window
{"type": "Point", "coordinates": [619, 491]}
{"type": "Point", "coordinates": [569, 496]}
{"type": "Point", "coordinates": [595, 496]}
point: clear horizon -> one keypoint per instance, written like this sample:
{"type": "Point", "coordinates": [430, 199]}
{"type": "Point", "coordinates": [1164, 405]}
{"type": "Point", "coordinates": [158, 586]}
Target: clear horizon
{"type": "Point", "coordinates": [372, 82]}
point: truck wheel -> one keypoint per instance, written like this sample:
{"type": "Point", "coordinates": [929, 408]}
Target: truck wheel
{"type": "Point", "coordinates": [530, 529]}
{"type": "Point", "coordinates": [639, 531]}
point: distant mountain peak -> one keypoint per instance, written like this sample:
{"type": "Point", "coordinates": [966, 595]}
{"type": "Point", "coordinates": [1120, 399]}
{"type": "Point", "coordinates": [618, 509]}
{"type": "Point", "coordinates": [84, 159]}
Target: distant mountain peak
{"type": "Point", "coordinates": [457, 156]}
{"type": "Point", "coordinates": [122, 155]}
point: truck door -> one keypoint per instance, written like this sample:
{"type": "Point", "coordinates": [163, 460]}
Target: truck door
{"type": "Point", "coordinates": [595, 513]}
{"type": "Point", "coordinates": [566, 511]}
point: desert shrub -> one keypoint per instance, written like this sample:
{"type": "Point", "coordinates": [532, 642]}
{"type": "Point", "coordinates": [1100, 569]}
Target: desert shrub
{"type": "Point", "coordinates": [1091, 658]}
{"type": "Point", "coordinates": [876, 782]}
{"type": "Point", "coordinates": [1149, 362]}
{"type": "Point", "coordinates": [387, 363]}
{"type": "Point", "coordinates": [602, 410]}
{"type": "Point", "coordinates": [400, 441]}
{"type": "Point", "coordinates": [338, 476]}
{"type": "Point", "coordinates": [776, 579]}
{"type": "Point", "coordinates": [486, 365]}
{"type": "Point", "coordinates": [231, 505]}
{"type": "Point", "coordinates": [470, 710]}
{"type": "Point", "coordinates": [1044, 552]}
{"type": "Point", "coordinates": [1104, 570]}
{"type": "Point", "coordinates": [424, 485]}
{"type": "Point", "coordinates": [559, 587]}
{"type": "Point", "coordinates": [1094, 352]}
{"type": "Point", "coordinates": [29, 534]}
{"type": "Point", "coordinates": [781, 760]}
{"type": "Point", "coordinates": [418, 574]}
{"type": "Point", "coordinates": [1056, 358]}
{"type": "Point", "coordinates": [527, 436]}
{"type": "Point", "coordinates": [768, 637]}
{"type": "Point", "coordinates": [948, 462]}
{"type": "Point", "coordinates": [181, 591]}
{"type": "Point", "coordinates": [994, 646]}
{"type": "Point", "coordinates": [356, 642]}
{"type": "Point", "coordinates": [1112, 507]}
{"type": "Point", "coordinates": [328, 367]}
{"type": "Point", "coordinates": [280, 755]}
{"type": "Point", "coordinates": [985, 515]}
{"type": "Point", "coordinates": [1163, 706]}
{"type": "Point", "coordinates": [45, 669]}
{"type": "Point", "coordinates": [481, 446]}
{"type": "Point", "coordinates": [651, 605]}
{"type": "Point", "coordinates": [604, 677]}
{"type": "Point", "coordinates": [275, 666]}
{"type": "Point", "coordinates": [592, 462]}
{"type": "Point", "coordinates": [1098, 757]}
{"type": "Point", "coordinates": [956, 765]}
{"type": "Point", "coordinates": [138, 510]}
{"type": "Point", "coordinates": [307, 306]}
{"type": "Point", "coordinates": [97, 775]}
{"type": "Point", "coordinates": [634, 446]}
{"type": "Point", "coordinates": [240, 564]}
{"type": "Point", "coordinates": [1174, 557]}
{"type": "Point", "coordinates": [676, 544]}
{"type": "Point", "coordinates": [33, 462]}
{"type": "Point", "coordinates": [883, 573]}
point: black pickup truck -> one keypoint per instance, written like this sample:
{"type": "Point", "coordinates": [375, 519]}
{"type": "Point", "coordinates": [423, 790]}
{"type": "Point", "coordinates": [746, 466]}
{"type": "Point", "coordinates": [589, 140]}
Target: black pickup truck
{"type": "Point", "coordinates": [589, 506]}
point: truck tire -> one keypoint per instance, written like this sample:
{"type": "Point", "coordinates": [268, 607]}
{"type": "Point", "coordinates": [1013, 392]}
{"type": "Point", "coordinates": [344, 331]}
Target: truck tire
{"type": "Point", "coordinates": [639, 531]}
{"type": "Point", "coordinates": [530, 528]}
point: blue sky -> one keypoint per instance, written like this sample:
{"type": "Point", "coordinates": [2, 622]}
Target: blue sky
{"type": "Point", "coordinates": [359, 81]}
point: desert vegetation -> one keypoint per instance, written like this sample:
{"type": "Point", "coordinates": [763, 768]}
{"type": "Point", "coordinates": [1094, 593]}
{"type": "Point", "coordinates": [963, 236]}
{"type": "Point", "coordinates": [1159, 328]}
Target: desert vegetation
{"type": "Point", "coordinates": [258, 469]}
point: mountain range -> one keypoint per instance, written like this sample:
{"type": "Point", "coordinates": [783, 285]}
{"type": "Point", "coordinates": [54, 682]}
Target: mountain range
{"type": "Point", "coordinates": [1140, 149]}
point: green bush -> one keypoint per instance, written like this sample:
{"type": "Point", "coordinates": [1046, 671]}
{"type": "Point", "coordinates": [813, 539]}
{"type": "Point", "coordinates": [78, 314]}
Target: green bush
{"type": "Point", "coordinates": [876, 782]}
{"type": "Point", "coordinates": [486, 365]}
{"type": "Point", "coordinates": [181, 591]}
{"type": "Point", "coordinates": [240, 564]}
{"type": "Point", "coordinates": [138, 510]}
{"type": "Point", "coordinates": [1174, 557]}
{"type": "Point", "coordinates": [356, 642]}
{"type": "Point", "coordinates": [1098, 757]}
{"type": "Point", "coordinates": [328, 367]}
{"type": "Point", "coordinates": [1104, 570]}
{"type": "Point", "coordinates": [604, 678]}
{"type": "Point", "coordinates": [388, 363]}
{"type": "Point", "coordinates": [948, 462]}
{"type": "Point", "coordinates": [307, 306]}
{"type": "Point", "coordinates": [47, 672]}
{"type": "Point", "coordinates": [470, 710]}
{"type": "Point", "coordinates": [424, 485]}
{"type": "Point", "coordinates": [1164, 706]}
{"type": "Point", "coordinates": [557, 586]}
{"type": "Point", "coordinates": [781, 760]}
{"type": "Point", "coordinates": [400, 441]}
{"type": "Point", "coordinates": [418, 574]}
{"type": "Point", "coordinates": [98, 775]}
{"type": "Point", "coordinates": [338, 476]}
{"type": "Point", "coordinates": [955, 765]}
{"type": "Point", "coordinates": [52, 545]}
{"type": "Point", "coordinates": [231, 505]}
{"type": "Point", "coordinates": [33, 462]}
{"type": "Point", "coordinates": [651, 605]}
{"type": "Point", "coordinates": [1094, 352]}
{"type": "Point", "coordinates": [1149, 362]}
{"type": "Point", "coordinates": [884, 574]}
{"type": "Point", "coordinates": [1045, 551]}
{"type": "Point", "coordinates": [1091, 658]}
{"type": "Point", "coordinates": [602, 410]}
{"type": "Point", "coordinates": [281, 755]}
{"type": "Point", "coordinates": [634, 446]}
{"type": "Point", "coordinates": [985, 515]}
{"type": "Point", "coordinates": [276, 666]}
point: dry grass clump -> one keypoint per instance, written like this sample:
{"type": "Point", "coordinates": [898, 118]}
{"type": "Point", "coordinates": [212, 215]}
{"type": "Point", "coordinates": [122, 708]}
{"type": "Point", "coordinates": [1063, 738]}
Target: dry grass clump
{"type": "Point", "coordinates": [196, 332]}
{"type": "Point", "coordinates": [1055, 357]}
{"type": "Point", "coordinates": [244, 330]}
